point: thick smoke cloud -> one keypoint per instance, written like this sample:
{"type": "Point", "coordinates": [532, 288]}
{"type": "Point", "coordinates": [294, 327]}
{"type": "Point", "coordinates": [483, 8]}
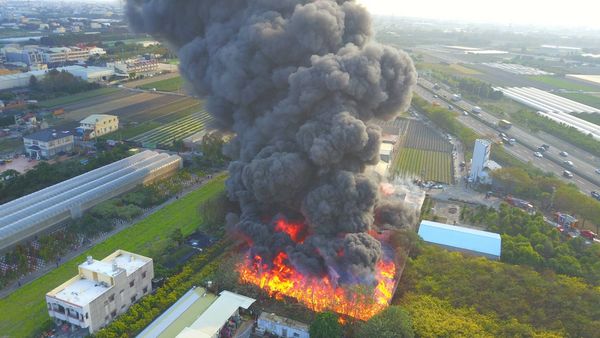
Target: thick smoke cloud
{"type": "Point", "coordinates": [298, 82]}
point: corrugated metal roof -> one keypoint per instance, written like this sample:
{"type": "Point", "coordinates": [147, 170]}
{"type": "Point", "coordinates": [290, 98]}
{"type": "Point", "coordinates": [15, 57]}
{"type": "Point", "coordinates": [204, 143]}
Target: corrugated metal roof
{"type": "Point", "coordinates": [484, 242]}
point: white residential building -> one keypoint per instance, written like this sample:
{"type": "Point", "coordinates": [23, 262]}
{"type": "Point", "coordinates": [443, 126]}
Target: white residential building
{"type": "Point", "coordinates": [97, 125]}
{"type": "Point", "coordinates": [48, 143]}
{"type": "Point", "coordinates": [101, 291]}
{"type": "Point", "coordinates": [481, 165]}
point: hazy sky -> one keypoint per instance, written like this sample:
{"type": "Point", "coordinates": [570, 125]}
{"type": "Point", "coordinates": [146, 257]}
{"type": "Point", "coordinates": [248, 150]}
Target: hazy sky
{"type": "Point", "coordinates": [546, 12]}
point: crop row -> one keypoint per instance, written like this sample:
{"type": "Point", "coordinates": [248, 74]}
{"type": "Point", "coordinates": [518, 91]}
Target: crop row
{"type": "Point", "coordinates": [428, 165]}
{"type": "Point", "coordinates": [419, 136]}
{"type": "Point", "coordinates": [176, 130]}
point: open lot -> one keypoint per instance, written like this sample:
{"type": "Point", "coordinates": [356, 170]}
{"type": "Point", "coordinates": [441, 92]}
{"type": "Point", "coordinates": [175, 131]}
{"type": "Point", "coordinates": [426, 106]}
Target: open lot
{"type": "Point", "coordinates": [24, 311]}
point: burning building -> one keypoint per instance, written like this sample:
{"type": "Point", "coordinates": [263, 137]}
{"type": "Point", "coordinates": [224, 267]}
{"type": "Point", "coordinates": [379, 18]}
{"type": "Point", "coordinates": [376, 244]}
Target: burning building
{"type": "Point", "coordinates": [298, 82]}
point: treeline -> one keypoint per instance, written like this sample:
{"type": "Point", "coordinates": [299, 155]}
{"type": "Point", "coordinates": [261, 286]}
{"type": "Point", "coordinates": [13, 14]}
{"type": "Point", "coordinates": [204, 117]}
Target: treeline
{"type": "Point", "coordinates": [547, 191]}
{"type": "Point", "coordinates": [529, 240]}
{"type": "Point", "coordinates": [45, 174]}
{"type": "Point", "coordinates": [468, 85]}
{"type": "Point", "coordinates": [58, 83]}
{"type": "Point", "coordinates": [449, 294]}
{"type": "Point", "coordinates": [571, 135]}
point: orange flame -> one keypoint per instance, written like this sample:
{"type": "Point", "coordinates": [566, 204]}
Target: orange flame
{"type": "Point", "coordinates": [319, 293]}
{"type": "Point", "coordinates": [296, 231]}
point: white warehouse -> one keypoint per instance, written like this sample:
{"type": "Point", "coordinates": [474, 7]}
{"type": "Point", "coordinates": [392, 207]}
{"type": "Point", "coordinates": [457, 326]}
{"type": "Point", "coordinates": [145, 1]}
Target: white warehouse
{"type": "Point", "coordinates": [39, 211]}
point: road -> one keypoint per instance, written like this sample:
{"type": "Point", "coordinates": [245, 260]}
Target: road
{"type": "Point", "coordinates": [526, 142]}
{"type": "Point", "coordinates": [585, 163]}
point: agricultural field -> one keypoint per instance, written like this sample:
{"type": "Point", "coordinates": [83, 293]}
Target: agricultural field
{"type": "Point", "coordinates": [174, 131]}
{"type": "Point", "coordinates": [562, 83]}
{"type": "Point", "coordinates": [24, 311]}
{"type": "Point", "coordinates": [587, 99]}
{"type": "Point", "coordinates": [428, 165]}
{"type": "Point", "coordinates": [77, 97]}
{"type": "Point", "coordinates": [423, 153]}
{"type": "Point", "coordinates": [453, 69]}
{"type": "Point", "coordinates": [169, 85]}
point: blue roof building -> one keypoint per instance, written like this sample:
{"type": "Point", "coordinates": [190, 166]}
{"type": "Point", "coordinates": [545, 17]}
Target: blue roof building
{"type": "Point", "coordinates": [481, 243]}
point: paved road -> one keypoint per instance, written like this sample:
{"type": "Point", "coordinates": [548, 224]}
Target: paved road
{"type": "Point", "coordinates": [523, 149]}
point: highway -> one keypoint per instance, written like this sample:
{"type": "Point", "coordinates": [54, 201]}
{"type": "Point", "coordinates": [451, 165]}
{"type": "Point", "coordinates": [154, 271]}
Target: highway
{"type": "Point", "coordinates": [584, 176]}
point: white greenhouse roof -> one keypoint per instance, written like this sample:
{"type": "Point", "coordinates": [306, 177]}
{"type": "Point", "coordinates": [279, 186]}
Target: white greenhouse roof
{"type": "Point", "coordinates": [487, 243]}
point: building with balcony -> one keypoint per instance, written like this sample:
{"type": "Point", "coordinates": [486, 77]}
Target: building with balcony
{"type": "Point", "coordinates": [101, 291]}
{"type": "Point", "coordinates": [48, 143]}
{"type": "Point", "coordinates": [97, 125]}
{"type": "Point", "coordinates": [64, 54]}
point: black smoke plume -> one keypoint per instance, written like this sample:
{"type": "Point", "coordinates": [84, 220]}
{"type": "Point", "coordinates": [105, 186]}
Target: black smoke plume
{"type": "Point", "coordinates": [298, 82]}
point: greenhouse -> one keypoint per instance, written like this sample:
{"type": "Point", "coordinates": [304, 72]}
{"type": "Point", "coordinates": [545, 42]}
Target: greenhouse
{"type": "Point", "coordinates": [39, 211]}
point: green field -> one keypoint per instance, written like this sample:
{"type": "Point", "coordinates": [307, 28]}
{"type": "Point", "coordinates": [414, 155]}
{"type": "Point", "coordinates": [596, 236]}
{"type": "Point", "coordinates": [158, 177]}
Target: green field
{"type": "Point", "coordinates": [562, 83]}
{"type": "Point", "coordinates": [428, 165]}
{"type": "Point", "coordinates": [590, 100]}
{"type": "Point", "coordinates": [61, 101]}
{"type": "Point", "coordinates": [129, 132]}
{"type": "Point", "coordinates": [10, 145]}
{"type": "Point", "coordinates": [24, 311]}
{"type": "Point", "coordinates": [168, 85]}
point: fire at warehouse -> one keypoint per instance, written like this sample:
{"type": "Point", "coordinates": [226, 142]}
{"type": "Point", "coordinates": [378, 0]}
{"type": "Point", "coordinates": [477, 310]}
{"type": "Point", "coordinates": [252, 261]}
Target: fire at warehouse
{"type": "Point", "coordinates": [298, 84]}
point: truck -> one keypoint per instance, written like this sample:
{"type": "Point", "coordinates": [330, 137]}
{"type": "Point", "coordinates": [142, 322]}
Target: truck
{"type": "Point", "coordinates": [519, 203]}
{"type": "Point", "coordinates": [588, 234]}
{"type": "Point", "coordinates": [504, 124]}
{"type": "Point", "coordinates": [565, 220]}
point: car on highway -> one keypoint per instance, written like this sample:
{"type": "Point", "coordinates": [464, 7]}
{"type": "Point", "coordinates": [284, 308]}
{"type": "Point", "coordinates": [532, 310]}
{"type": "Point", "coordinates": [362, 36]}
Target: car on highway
{"type": "Point", "coordinates": [568, 164]}
{"type": "Point", "coordinates": [564, 154]}
{"type": "Point", "coordinates": [503, 135]}
{"type": "Point", "coordinates": [545, 146]}
{"type": "Point", "coordinates": [538, 154]}
{"type": "Point", "coordinates": [596, 195]}
{"type": "Point", "coordinates": [541, 149]}
{"type": "Point", "coordinates": [465, 113]}
{"type": "Point", "coordinates": [597, 171]}
{"type": "Point", "coordinates": [567, 174]}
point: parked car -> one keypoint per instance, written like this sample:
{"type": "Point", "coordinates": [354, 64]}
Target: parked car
{"type": "Point", "coordinates": [567, 174]}
{"type": "Point", "coordinates": [538, 154]}
{"type": "Point", "coordinates": [564, 154]}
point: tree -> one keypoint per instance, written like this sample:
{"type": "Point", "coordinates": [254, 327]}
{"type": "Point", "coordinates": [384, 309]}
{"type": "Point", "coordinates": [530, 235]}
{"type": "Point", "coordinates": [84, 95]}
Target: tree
{"type": "Point", "coordinates": [176, 236]}
{"type": "Point", "coordinates": [33, 82]}
{"type": "Point", "coordinates": [325, 325]}
{"type": "Point", "coordinates": [394, 322]}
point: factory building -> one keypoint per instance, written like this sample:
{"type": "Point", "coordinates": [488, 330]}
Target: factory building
{"type": "Point", "coordinates": [97, 125]}
{"type": "Point", "coordinates": [101, 291]}
{"type": "Point", "coordinates": [56, 55]}
{"type": "Point", "coordinates": [455, 238]}
{"type": "Point", "coordinates": [41, 210]}
{"type": "Point", "coordinates": [481, 165]}
{"type": "Point", "coordinates": [199, 314]}
{"type": "Point", "coordinates": [90, 74]}
{"type": "Point", "coordinates": [137, 66]}
{"type": "Point", "coordinates": [48, 143]}
{"type": "Point", "coordinates": [273, 324]}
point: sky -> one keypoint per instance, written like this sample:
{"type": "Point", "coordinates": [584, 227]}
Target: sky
{"type": "Point", "coordinates": [576, 13]}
